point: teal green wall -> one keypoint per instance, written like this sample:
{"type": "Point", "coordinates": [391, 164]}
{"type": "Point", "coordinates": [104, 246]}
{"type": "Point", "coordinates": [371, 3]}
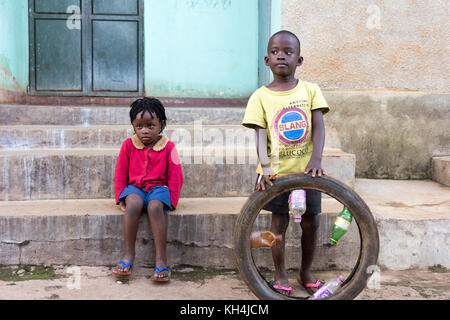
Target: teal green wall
{"type": "Point", "coordinates": [201, 48]}
{"type": "Point", "coordinates": [192, 48]}
{"type": "Point", "coordinates": [275, 15]}
{"type": "Point", "coordinates": [14, 45]}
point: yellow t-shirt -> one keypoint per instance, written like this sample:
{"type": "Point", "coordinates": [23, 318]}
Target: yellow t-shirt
{"type": "Point", "coordinates": [287, 117]}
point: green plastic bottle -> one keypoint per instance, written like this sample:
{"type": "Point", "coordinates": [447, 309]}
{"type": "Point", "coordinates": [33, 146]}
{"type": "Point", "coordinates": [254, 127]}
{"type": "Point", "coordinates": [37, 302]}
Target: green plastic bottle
{"type": "Point", "coordinates": [341, 225]}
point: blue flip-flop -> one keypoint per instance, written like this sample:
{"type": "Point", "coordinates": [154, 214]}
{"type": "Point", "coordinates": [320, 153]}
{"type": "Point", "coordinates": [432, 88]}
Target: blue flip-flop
{"type": "Point", "coordinates": [124, 266]}
{"type": "Point", "coordinates": [161, 279]}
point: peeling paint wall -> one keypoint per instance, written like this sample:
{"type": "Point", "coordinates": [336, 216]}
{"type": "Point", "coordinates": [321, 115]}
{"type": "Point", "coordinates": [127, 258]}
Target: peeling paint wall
{"type": "Point", "coordinates": [393, 135]}
{"type": "Point", "coordinates": [384, 67]}
{"type": "Point", "coordinates": [373, 44]}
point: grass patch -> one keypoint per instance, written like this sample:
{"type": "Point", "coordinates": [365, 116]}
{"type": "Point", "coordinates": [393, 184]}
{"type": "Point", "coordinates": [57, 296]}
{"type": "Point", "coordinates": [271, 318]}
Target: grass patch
{"type": "Point", "coordinates": [27, 272]}
{"type": "Point", "coordinates": [199, 274]}
{"type": "Point", "coordinates": [438, 269]}
{"type": "Point", "coordinates": [425, 292]}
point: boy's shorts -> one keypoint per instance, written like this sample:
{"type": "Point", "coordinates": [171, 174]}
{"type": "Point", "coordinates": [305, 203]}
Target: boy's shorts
{"type": "Point", "coordinates": [280, 204]}
{"type": "Point", "coordinates": [160, 193]}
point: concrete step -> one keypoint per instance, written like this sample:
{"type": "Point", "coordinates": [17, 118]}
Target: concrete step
{"type": "Point", "coordinates": [413, 230]}
{"type": "Point", "coordinates": [440, 168]}
{"type": "Point", "coordinates": [88, 173]}
{"type": "Point", "coordinates": [107, 136]}
{"type": "Point", "coordinates": [110, 136]}
{"type": "Point", "coordinates": [112, 115]}
{"type": "Point", "coordinates": [29, 126]}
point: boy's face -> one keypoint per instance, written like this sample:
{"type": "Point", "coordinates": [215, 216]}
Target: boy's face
{"type": "Point", "coordinates": [147, 128]}
{"type": "Point", "coordinates": [283, 55]}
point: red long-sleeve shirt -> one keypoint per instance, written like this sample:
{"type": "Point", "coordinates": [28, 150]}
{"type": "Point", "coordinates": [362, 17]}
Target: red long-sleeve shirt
{"type": "Point", "coordinates": [149, 167]}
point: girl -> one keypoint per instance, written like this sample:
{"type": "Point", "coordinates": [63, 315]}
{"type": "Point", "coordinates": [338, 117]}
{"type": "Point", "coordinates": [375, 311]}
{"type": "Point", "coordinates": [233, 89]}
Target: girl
{"type": "Point", "coordinates": [148, 178]}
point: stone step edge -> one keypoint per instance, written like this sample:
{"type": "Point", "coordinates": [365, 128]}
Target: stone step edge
{"type": "Point", "coordinates": [85, 115]}
{"type": "Point", "coordinates": [27, 127]}
{"type": "Point", "coordinates": [202, 240]}
{"type": "Point", "coordinates": [111, 151]}
{"type": "Point", "coordinates": [61, 136]}
{"type": "Point", "coordinates": [440, 169]}
{"type": "Point", "coordinates": [187, 206]}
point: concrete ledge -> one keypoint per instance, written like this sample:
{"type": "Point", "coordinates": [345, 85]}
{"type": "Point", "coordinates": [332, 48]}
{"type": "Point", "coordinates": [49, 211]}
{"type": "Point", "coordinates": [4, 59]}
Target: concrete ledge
{"type": "Point", "coordinates": [111, 115]}
{"type": "Point", "coordinates": [440, 167]}
{"type": "Point", "coordinates": [381, 129]}
{"type": "Point", "coordinates": [387, 153]}
{"type": "Point", "coordinates": [413, 230]}
{"type": "Point", "coordinates": [46, 174]}
{"type": "Point", "coordinates": [23, 137]}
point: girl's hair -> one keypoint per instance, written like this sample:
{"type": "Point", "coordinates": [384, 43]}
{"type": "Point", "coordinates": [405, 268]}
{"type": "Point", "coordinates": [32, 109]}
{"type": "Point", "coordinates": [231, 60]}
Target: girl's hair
{"type": "Point", "coordinates": [152, 105]}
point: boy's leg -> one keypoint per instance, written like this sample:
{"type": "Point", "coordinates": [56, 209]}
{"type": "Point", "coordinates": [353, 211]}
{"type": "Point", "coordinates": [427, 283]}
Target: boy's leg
{"type": "Point", "coordinates": [133, 210]}
{"type": "Point", "coordinates": [309, 224]}
{"type": "Point", "coordinates": [280, 222]}
{"type": "Point", "coordinates": [158, 223]}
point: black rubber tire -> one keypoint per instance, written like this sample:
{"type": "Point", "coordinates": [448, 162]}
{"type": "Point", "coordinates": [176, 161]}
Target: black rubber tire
{"type": "Point", "coordinates": [369, 247]}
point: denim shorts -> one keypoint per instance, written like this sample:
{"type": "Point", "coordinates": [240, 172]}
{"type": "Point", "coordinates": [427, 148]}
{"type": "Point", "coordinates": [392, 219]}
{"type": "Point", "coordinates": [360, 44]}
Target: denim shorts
{"type": "Point", "coordinates": [160, 193]}
{"type": "Point", "coordinates": [280, 204]}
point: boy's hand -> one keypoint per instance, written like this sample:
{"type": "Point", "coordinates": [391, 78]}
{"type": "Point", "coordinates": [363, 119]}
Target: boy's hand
{"type": "Point", "coordinates": [266, 177]}
{"type": "Point", "coordinates": [261, 185]}
{"type": "Point", "coordinates": [315, 168]}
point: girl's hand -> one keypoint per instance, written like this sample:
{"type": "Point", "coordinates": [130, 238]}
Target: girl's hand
{"type": "Point", "coordinates": [315, 168]}
{"type": "Point", "coordinates": [122, 206]}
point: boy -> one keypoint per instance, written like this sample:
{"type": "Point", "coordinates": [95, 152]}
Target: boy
{"type": "Point", "coordinates": [288, 118]}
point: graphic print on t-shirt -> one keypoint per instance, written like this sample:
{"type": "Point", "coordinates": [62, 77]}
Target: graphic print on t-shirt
{"type": "Point", "coordinates": [291, 126]}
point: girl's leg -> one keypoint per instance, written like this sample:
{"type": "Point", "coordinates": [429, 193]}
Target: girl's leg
{"type": "Point", "coordinates": [279, 225]}
{"type": "Point", "coordinates": [158, 223]}
{"type": "Point", "coordinates": [133, 210]}
{"type": "Point", "coordinates": [309, 224]}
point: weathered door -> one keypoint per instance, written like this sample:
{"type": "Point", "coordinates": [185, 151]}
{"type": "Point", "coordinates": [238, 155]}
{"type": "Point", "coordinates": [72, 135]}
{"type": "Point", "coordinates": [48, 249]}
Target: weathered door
{"type": "Point", "coordinates": [86, 47]}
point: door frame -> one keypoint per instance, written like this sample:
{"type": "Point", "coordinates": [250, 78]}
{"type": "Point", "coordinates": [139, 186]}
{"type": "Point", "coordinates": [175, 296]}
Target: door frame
{"type": "Point", "coordinates": [269, 12]}
{"type": "Point", "coordinates": [264, 30]}
{"type": "Point", "coordinates": [87, 18]}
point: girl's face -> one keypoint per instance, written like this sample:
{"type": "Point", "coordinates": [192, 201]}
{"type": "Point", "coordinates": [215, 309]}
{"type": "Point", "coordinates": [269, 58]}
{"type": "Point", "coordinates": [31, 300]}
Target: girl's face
{"type": "Point", "coordinates": [147, 127]}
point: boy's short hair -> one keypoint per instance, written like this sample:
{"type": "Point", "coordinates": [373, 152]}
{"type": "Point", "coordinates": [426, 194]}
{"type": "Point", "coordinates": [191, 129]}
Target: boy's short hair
{"type": "Point", "coordinates": [152, 105]}
{"type": "Point", "coordinates": [288, 33]}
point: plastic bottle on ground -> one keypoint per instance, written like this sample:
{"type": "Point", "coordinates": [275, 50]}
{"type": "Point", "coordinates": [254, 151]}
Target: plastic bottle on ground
{"type": "Point", "coordinates": [327, 289]}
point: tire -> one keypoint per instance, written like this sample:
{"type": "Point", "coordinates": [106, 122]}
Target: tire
{"type": "Point", "coordinates": [369, 246]}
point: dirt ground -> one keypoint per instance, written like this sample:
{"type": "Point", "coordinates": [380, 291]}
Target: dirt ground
{"type": "Point", "coordinates": [97, 283]}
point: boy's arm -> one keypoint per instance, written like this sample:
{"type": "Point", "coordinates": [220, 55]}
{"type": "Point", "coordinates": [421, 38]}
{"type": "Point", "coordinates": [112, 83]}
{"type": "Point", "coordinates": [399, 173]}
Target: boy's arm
{"type": "Point", "coordinates": [318, 137]}
{"type": "Point", "coordinates": [261, 150]}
